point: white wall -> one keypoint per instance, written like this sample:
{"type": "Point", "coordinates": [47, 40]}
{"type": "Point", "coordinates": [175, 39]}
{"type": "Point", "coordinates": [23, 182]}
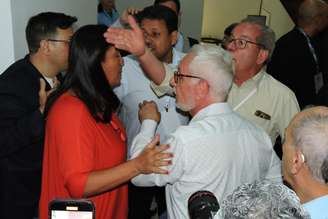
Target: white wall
{"type": "Point", "coordinates": [192, 13]}
{"type": "Point", "coordinates": [218, 14]}
{"type": "Point", "coordinates": [22, 10]}
{"type": "Point", "coordinates": [6, 37]}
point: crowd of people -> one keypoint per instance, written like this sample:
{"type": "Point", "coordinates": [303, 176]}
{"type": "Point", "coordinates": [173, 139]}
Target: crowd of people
{"type": "Point", "coordinates": [159, 124]}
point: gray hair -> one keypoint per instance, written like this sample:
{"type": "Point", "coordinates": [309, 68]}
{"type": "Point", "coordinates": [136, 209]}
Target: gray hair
{"type": "Point", "coordinates": [267, 38]}
{"type": "Point", "coordinates": [310, 134]}
{"type": "Point", "coordinates": [215, 65]}
{"type": "Point", "coordinates": [262, 199]}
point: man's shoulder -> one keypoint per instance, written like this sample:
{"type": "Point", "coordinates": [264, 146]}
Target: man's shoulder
{"type": "Point", "coordinates": [290, 39]}
{"type": "Point", "coordinates": [178, 55]}
{"type": "Point", "coordinates": [277, 88]}
{"type": "Point", "coordinates": [220, 124]}
{"type": "Point", "coordinates": [18, 76]}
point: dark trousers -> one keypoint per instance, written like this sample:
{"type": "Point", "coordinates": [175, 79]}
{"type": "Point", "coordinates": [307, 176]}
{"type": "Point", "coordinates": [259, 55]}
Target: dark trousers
{"type": "Point", "coordinates": [140, 199]}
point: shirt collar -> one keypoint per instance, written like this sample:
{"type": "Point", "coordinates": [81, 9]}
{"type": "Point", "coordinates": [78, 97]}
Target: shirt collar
{"type": "Point", "coordinates": [212, 109]}
{"type": "Point", "coordinates": [254, 81]}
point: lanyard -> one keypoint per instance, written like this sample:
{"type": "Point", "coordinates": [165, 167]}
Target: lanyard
{"type": "Point", "coordinates": [249, 95]}
{"type": "Point", "coordinates": [315, 57]}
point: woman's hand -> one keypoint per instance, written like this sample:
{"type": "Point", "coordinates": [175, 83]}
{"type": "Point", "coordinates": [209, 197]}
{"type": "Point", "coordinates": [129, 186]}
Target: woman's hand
{"type": "Point", "coordinates": [153, 157]}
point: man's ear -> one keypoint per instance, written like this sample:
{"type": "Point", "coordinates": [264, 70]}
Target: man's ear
{"type": "Point", "coordinates": [44, 47]}
{"type": "Point", "coordinates": [262, 56]}
{"type": "Point", "coordinates": [298, 162]}
{"type": "Point", "coordinates": [174, 37]}
{"type": "Point", "coordinates": [203, 89]}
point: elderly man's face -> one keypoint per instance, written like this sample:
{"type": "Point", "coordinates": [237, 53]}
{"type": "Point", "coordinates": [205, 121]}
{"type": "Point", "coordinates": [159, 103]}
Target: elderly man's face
{"type": "Point", "coordinates": [248, 57]}
{"type": "Point", "coordinates": [184, 85]}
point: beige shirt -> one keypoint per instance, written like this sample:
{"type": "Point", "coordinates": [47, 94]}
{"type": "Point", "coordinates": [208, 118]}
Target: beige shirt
{"type": "Point", "coordinates": [266, 102]}
{"type": "Point", "coordinates": [262, 100]}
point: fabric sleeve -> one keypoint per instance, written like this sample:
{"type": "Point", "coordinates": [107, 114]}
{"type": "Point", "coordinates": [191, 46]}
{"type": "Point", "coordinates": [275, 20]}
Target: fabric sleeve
{"type": "Point", "coordinates": [274, 167]}
{"type": "Point", "coordinates": [20, 126]}
{"type": "Point", "coordinates": [175, 170]}
{"type": "Point", "coordinates": [75, 143]}
{"type": "Point", "coordinates": [164, 88]}
{"type": "Point", "coordinates": [286, 114]}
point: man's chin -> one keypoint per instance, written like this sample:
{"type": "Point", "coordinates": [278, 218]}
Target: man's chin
{"type": "Point", "coordinates": [183, 107]}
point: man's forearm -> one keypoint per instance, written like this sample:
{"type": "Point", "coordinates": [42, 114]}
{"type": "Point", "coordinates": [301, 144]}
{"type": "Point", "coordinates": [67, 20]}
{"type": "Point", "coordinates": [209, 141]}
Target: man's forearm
{"type": "Point", "coordinates": [152, 67]}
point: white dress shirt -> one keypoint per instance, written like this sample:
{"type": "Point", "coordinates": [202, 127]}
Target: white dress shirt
{"type": "Point", "coordinates": [135, 88]}
{"type": "Point", "coordinates": [217, 151]}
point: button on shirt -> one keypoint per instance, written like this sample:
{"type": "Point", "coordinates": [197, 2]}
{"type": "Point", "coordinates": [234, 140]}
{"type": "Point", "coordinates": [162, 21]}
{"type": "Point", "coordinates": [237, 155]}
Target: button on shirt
{"type": "Point", "coordinates": [272, 106]}
{"type": "Point", "coordinates": [217, 151]}
{"type": "Point", "coordinates": [135, 88]}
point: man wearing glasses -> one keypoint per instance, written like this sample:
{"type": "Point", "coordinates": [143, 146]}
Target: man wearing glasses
{"type": "Point", "coordinates": [255, 95]}
{"type": "Point", "coordinates": [24, 87]}
{"type": "Point", "coordinates": [218, 150]}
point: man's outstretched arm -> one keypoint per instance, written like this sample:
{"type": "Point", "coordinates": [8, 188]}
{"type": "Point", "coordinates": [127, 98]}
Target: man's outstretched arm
{"type": "Point", "coordinates": [132, 40]}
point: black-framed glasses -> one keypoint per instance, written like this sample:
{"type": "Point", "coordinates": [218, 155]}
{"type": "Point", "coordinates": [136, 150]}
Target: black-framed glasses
{"type": "Point", "coordinates": [58, 40]}
{"type": "Point", "coordinates": [177, 76]}
{"type": "Point", "coordinates": [242, 43]}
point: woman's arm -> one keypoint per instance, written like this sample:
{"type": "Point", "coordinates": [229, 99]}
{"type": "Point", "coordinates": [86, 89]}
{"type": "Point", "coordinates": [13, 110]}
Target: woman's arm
{"type": "Point", "coordinates": [149, 161]}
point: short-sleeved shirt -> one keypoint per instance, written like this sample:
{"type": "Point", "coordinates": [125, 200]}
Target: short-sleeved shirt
{"type": "Point", "coordinates": [75, 145]}
{"type": "Point", "coordinates": [272, 106]}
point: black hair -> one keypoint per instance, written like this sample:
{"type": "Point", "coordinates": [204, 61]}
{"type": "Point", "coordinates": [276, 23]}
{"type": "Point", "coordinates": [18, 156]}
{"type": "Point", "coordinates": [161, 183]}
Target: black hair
{"type": "Point", "coordinates": [43, 26]}
{"type": "Point", "coordinates": [177, 3]}
{"type": "Point", "coordinates": [100, 8]}
{"type": "Point", "coordinates": [228, 30]}
{"type": "Point", "coordinates": [159, 12]}
{"type": "Point", "coordinates": [85, 75]}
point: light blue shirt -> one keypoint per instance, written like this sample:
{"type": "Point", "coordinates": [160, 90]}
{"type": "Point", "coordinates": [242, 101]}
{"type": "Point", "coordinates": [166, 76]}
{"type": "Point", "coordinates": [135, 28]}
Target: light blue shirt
{"type": "Point", "coordinates": [317, 208]}
{"type": "Point", "coordinates": [105, 18]}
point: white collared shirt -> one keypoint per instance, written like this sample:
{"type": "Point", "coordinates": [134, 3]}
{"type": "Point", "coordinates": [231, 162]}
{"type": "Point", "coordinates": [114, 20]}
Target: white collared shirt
{"type": "Point", "coordinates": [260, 95]}
{"type": "Point", "coordinates": [217, 151]}
{"type": "Point", "coordinates": [135, 88]}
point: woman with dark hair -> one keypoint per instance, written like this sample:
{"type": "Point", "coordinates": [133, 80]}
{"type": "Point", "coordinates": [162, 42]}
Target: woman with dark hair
{"type": "Point", "coordinates": [85, 147]}
{"type": "Point", "coordinates": [107, 13]}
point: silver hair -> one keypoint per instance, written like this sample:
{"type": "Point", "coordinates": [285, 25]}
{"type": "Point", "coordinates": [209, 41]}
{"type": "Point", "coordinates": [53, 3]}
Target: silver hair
{"type": "Point", "coordinates": [262, 199]}
{"type": "Point", "coordinates": [267, 38]}
{"type": "Point", "coordinates": [215, 65]}
{"type": "Point", "coordinates": [310, 134]}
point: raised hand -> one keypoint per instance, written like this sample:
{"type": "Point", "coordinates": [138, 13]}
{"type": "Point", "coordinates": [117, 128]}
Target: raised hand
{"type": "Point", "coordinates": [131, 40]}
{"type": "Point", "coordinates": [127, 12]}
{"type": "Point", "coordinates": [149, 110]}
{"type": "Point", "coordinates": [43, 94]}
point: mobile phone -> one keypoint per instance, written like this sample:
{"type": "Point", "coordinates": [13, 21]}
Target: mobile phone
{"type": "Point", "coordinates": [71, 209]}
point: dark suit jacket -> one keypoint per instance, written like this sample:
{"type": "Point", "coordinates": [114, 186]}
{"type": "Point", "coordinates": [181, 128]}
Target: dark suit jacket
{"type": "Point", "coordinates": [21, 140]}
{"type": "Point", "coordinates": [292, 63]}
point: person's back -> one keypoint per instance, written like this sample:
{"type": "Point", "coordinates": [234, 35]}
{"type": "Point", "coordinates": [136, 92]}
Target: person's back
{"type": "Point", "coordinates": [221, 151]}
